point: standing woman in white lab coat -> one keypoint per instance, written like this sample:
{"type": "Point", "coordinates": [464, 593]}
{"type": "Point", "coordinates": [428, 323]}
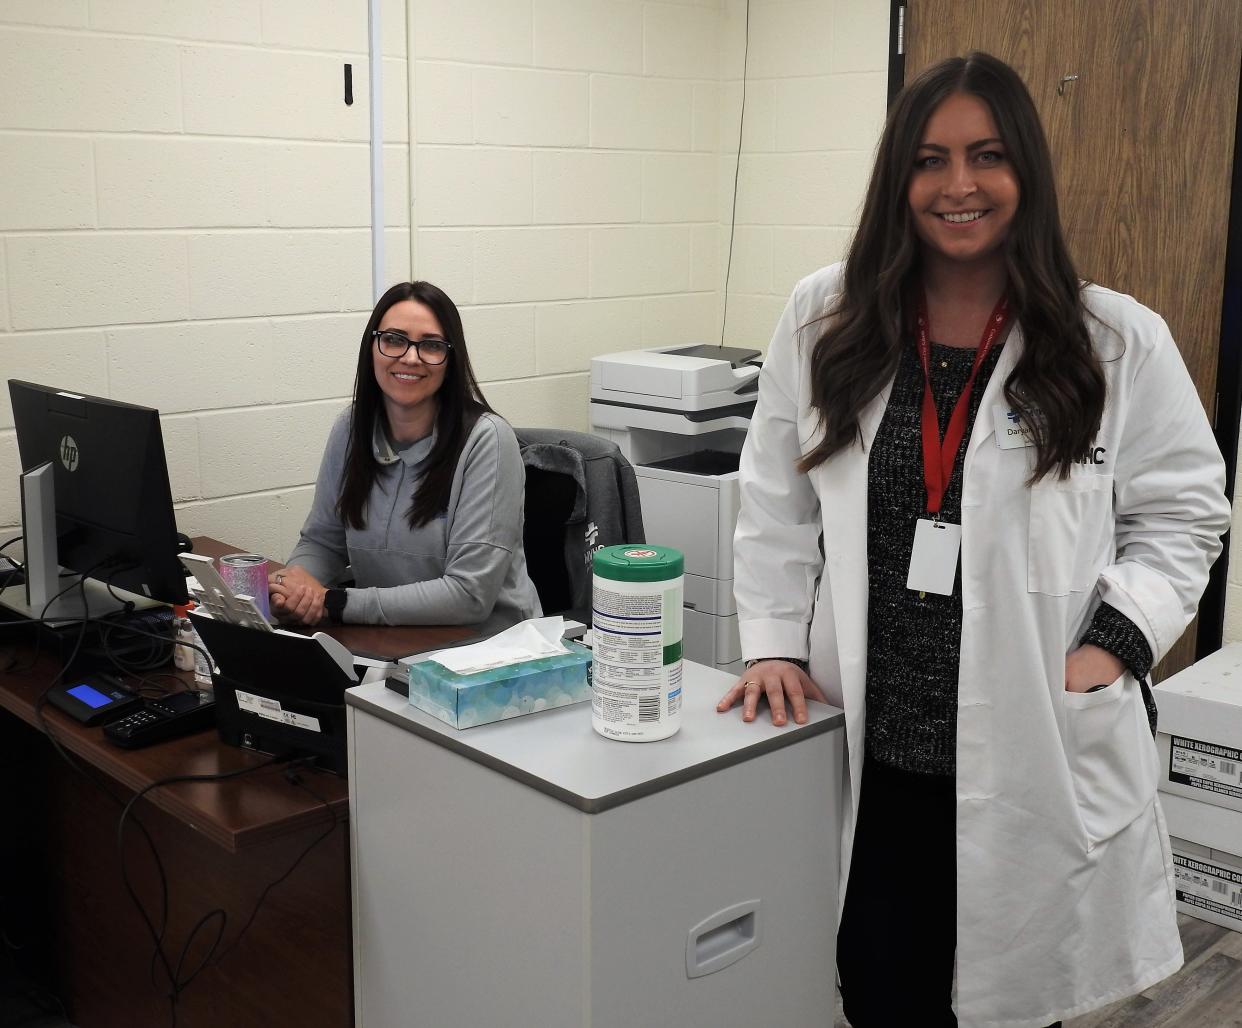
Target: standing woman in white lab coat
{"type": "Point", "coordinates": [980, 499]}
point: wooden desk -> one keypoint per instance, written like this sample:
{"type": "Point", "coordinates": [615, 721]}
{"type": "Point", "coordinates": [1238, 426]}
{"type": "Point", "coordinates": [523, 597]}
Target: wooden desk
{"type": "Point", "coordinates": [221, 844]}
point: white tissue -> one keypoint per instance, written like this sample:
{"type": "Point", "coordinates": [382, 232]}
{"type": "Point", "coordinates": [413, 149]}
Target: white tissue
{"type": "Point", "coordinates": [538, 637]}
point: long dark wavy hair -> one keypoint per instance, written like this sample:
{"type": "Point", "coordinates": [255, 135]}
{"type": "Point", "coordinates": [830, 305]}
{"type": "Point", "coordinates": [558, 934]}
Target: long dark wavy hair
{"type": "Point", "coordinates": [1057, 385]}
{"type": "Point", "coordinates": [460, 404]}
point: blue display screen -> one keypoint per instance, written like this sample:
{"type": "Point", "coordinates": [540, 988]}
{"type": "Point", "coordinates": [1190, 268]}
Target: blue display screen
{"type": "Point", "coordinates": [91, 697]}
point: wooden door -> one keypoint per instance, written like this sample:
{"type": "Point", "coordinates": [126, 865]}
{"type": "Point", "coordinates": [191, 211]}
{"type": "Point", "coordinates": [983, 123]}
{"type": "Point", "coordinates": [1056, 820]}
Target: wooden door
{"type": "Point", "coordinates": [1142, 140]}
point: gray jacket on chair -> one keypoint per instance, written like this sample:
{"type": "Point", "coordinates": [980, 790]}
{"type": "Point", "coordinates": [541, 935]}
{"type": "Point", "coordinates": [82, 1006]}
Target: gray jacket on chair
{"type": "Point", "coordinates": [606, 509]}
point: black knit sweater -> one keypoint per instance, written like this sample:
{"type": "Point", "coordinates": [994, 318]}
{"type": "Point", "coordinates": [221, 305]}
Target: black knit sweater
{"type": "Point", "coordinates": [914, 640]}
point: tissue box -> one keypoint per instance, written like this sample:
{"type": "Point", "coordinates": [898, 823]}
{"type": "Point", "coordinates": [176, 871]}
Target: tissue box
{"type": "Point", "coordinates": [510, 691]}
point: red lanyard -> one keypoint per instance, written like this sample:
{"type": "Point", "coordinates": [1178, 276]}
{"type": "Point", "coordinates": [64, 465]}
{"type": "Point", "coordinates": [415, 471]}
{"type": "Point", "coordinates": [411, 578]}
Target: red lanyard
{"type": "Point", "coordinates": [939, 456]}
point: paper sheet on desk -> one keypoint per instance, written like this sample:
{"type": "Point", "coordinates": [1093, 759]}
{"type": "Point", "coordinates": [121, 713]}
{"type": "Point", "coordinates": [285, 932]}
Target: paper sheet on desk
{"type": "Point", "coordinates": [538, 637]}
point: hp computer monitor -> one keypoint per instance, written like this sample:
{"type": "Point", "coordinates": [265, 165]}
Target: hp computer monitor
{"type": "Point", "coordinates": [113, 506]}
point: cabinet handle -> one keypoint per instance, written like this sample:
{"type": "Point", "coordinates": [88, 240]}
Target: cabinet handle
{"type": "Point", "coordinates": [723, 939]}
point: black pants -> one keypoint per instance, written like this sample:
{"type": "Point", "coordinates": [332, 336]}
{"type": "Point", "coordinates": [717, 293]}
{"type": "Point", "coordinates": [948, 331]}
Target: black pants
{"type": "Point", "coordinates": [898, 933]}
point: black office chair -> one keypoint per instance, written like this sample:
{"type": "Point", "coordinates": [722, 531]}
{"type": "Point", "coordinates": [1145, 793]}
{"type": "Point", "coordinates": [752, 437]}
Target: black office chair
{"type": "Point", "coordinates": [581, 494]}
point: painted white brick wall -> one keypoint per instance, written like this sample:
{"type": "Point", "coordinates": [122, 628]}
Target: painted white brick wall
{"type": "Point", "coordinates": [311, 357]}
{"type": "Point", "coordinates": [585, 187]}
{"type": "Point", "coordinates": [75, 356]}
{"type": "Point", "coordinates": [528, 264]}
{"type": "Point", "coordinates": [815, 102]}
{"type": "Point", "coordinates": [52, 177]}
{"type": "Point", "coordinates": [672, 320]}
{"type": "Point", "coordinates": [705, 116]}
{"type": "Point", "coordinates": [681, 42]}
{"type": "Point", "coordinates": [292, 436]}
{"type": "Point", "coordinates": [567, 188]}
{"type": "Point", "coordinates": [520, 107]}
{"type": "Point", "coordinates": [104, 83]}
{"type": "Point", "coordinates": [473, 32]}
{"type": "Point", "coordinates": [173, 182]}
{"type": "Point", "coordinates": [640, 260]}
{"type": "Point", "coordinates": [197, 192]}
{"type": "Point", "coordinates": [255, 273]}
{"type": "Point", "coordinates": [568, 335]}
{"type": "Point", "coordinates": [4, 293]}
{"type": "Point", "coordinates": [641, 114]}
{"type": "Point", "coordinates": [588, 35]}
{"type": "Point", "coordinates": [218, 364]}
{"type": "Point", "coordinates": [10, 468]}
{"type": "Point", "coordinates": [96, 278]}
{"type": "Point", "coordinates": [497, 84]}
{"type": "Point", "coordinates": [481, 186]}
{"type": "Point", "coordinates": [502, 340]}
{"type": "Point", "coordinates": [444, 106]}
{"type": "Point", "coordinates": [66, 13]}
{"type": "Point", "coordinates": [222, 21]}
{"type": "Point", "coordinates": [185, 225]}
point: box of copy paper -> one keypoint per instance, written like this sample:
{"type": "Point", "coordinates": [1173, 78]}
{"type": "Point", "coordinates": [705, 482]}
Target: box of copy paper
{"type": "Point", "coordinates": [1206, 840]}
{"type": "Point", "coordinates": [1200, 730]}
{"type": "Point", "coordinates": [464, 701]}
{"type": "Point", "coordinates": [1209, 885]}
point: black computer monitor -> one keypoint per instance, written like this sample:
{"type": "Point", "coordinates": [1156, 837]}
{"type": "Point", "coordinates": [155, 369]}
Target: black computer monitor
{"type": "Point", "coordinates": [113, 505]}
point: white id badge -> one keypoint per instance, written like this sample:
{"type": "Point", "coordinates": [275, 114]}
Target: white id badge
{"type": "Point", "coordinates": [933, 560]}
{"type": "Point", "coordinates": [1011, 433]}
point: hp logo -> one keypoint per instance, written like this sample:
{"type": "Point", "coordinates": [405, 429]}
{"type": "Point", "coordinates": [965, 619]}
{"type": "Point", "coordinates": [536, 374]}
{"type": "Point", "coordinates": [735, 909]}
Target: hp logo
{"type": "Point", "coordinates": [69, 453]}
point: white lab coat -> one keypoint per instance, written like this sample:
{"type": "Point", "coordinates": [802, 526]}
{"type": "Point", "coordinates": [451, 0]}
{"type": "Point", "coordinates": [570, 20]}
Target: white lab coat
{"type": "Point", "coordinates": [1065, 876]}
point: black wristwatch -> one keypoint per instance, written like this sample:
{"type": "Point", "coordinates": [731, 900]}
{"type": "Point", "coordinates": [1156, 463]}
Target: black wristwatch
{"type": "Point", "coordinates": [334, 605]}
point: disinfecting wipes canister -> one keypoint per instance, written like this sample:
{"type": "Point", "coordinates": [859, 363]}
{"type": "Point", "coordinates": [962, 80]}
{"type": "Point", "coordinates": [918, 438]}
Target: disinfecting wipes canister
{"type": "Point", "coordinates": [636, 626]}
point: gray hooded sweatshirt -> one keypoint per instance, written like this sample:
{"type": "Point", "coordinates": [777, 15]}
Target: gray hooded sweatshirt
{"type": "Point", "coordinates": [464, 567]}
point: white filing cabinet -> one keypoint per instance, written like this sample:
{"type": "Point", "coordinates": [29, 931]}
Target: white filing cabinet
{"type": "Point", "coordinates": [530, 872]}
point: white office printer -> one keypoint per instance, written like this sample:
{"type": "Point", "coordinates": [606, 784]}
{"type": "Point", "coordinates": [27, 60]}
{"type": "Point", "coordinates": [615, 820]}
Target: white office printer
{"type": "Point", "coordinates": [680, 416]}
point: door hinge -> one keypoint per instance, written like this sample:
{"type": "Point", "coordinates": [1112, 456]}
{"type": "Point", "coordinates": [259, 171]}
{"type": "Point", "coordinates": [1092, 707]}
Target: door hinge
{"type": "Point", "coordinates": [901, 30]}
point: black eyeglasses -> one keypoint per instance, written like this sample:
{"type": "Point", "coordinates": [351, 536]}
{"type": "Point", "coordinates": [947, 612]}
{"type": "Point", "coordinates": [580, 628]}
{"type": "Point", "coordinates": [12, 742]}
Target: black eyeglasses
{"type": "Point", "coordinates": [430, 349]}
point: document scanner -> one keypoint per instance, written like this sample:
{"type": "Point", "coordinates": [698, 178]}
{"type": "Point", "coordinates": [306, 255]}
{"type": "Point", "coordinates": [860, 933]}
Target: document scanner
{"type": "Point", "coordinates": [680, 416]}
{"type": "Point", "coordinates": [277, 691]}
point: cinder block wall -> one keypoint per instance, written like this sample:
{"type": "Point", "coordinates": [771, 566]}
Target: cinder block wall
{"type": "Point", "coordinates": [815, 103]}
{"type": "Point", "coordinates": [185, 224]}
{"type": "Point", "coordinates": [565, 161]}
{"type": "Point", "coordinates": [186, 211]}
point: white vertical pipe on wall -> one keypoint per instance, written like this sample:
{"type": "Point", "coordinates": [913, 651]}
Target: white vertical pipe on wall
{"type": "Point", "coordinates": [375, 51]}
{"type": "Point", "coordinates": [411, 74]}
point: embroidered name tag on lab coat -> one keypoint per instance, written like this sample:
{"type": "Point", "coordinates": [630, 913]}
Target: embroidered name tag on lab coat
{"type": "Point", "coordinates": [933, 560]}
{"type": "Point", "coordinates": [1011, 433]}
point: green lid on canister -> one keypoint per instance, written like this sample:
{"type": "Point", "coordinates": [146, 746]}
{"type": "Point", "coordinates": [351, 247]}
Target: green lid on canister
{"type": "Point", "coordinates": [638, 562]}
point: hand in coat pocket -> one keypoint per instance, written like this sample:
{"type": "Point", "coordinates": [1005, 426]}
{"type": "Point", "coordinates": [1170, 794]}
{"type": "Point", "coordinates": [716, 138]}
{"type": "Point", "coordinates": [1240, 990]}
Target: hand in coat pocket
{"type": "Point", "coordinates": [1089, 668]}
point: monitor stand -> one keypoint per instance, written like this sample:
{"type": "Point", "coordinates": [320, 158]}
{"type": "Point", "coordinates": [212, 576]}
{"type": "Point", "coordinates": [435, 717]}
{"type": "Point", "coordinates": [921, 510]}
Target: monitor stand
{"type": "Point", "coordinates": [38, 598]}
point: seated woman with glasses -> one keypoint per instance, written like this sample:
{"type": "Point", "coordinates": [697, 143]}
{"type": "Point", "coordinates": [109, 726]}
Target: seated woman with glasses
{"type": "Point", "coordinates": [420, 493]}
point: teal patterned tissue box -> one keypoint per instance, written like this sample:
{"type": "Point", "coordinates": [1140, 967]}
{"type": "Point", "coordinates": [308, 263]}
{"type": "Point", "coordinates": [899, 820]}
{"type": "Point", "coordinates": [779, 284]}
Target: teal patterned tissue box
{"type": "Point", "coordinates": [510, 691]}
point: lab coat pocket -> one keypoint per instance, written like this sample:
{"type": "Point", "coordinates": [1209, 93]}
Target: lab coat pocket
{"type": "Point", "coordinates": [1071, 531]}
{"type": "Point", "coordinates": [1112, 757]}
